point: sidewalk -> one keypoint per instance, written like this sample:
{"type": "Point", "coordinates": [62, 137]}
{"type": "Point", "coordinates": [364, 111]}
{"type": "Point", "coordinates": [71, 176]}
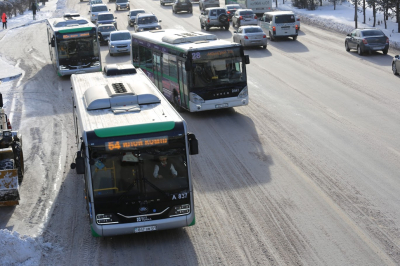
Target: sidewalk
{"type": "Point", "coordinates": [8, 71]}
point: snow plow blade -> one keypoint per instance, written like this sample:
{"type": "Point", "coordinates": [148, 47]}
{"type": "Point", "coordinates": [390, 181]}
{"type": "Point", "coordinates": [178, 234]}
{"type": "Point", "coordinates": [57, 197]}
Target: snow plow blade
{"type": "Point", "coordinates": [9, 195]}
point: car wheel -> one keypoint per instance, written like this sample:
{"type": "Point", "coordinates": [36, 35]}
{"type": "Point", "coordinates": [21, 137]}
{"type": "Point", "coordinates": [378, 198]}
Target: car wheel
{"type": "Point", "coordinates": [227, 27]}
{"type": "Point", "coordinates": [111, 54]}
{"type": "Point", "coordinates": [241, 44]}
{"type": "Point", "coordinates": [359, 51]}
{"type": "Point", "coordinates": [347, 47]}
{"type": "Point", "coordinates": [190, 11]}
{"type": "Point", "coordinates": [271, 37]}
{"type": "Point", "coordinates": [207, 28]}
{"type": "Point", "coordinates": [264, 47]}
{"type": "Point", "coordinates": [385, 51]}
{"type": "Point", "coordinates": [201, 26]}
{"type": "Point", "coordinates": [294, 38]}
{"type": "Point", "coordinates": [394, 69]}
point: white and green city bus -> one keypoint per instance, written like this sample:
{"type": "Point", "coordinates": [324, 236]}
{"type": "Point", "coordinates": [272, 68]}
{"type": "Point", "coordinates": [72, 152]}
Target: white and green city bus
{"type": "Point", "coordinates": [195, 71]}
{"type": "Point", "coordinates": [124, 126]}
{"type": "Point", "coordinates": [73, 44]}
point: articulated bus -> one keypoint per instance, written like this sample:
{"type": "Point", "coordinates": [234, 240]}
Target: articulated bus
{"type": "Point", "coordinates": [73, 44]}
{"type": "Point", "coordinates": [133, 149]}
{"type": "Point", "coordinates": [195, 71]}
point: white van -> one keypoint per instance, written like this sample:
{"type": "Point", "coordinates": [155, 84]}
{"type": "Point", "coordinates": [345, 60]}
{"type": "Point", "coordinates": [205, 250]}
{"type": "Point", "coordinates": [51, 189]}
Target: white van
{"type": "Point", "coordinates": [279, 24]}
{"type": "Point", "coordinates": [203, 4]}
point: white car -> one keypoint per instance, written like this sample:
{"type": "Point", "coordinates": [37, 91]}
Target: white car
{"type": "Point", "coordinates": [250, 36]}
{"type": "Point", "coordinates": [119, 42]}
{"type": "Point", "coordinates": [244, 17]}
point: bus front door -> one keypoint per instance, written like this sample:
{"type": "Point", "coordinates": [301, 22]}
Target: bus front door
{"type": "Point", "coordinates": [183, 84]}
{"type": "Point", "coordinates": [157, 71]}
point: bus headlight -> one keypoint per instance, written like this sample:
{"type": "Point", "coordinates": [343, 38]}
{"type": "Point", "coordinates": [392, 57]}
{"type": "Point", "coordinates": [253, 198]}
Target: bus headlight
{"type": "Point", "coordinates": [106, 219]}
{"type": "Point", "coordinates": [180, 210]}
{"type": "Point", "coordinates": [63, 67]}
{"type": "Point", "coordinates": [244, 93]}
{"type": "Point", "coordinates": [195, 98]}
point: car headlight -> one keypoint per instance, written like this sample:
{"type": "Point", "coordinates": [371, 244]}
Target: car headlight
{"type": "Point", "coordinates": [112, 46]}
{"type": "Point", "coordinates": [106, 219]}
{"type": "Point", "coordinates": [93, 15]}
{"type": "Point", "coordinates": [244, 93]}
{"type": "Point", "coordinates": [195, 98]}
{"type": "Point", "coordinates": [180, 210]}
{"type": "Point", "coordinates": [158, 28]}
{"type": "Point", "coordinates": [140, 29]}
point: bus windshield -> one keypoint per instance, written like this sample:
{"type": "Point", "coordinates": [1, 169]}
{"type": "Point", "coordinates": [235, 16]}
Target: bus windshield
{"type": "Point", "coordinates": [138, 174]}
{"type": "Point", "coordinates": [217, 72]}
{"type": "Point", "coordinates": [71, 51]}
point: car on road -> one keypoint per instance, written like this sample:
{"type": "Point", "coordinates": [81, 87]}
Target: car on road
{"type": "Point", "coordinates": [119, 42]}
{"type": "Point", "coordinates": [147, 21]}
{"type": "Point", "coordinates": [396, 64]}
{"type": "Point", "coordinates": [163, 2]}
{"type": "Point", "coordinates": [203, 4]}
{"type": "Point", "coordinates": [122, 4]}
{"type": "Point", "coordinates": [106, 18]}
{"type": "Point", "coordinates": [244, 17]}
{"type": "Point", "coordinates": [96, 9]}
{"type": "Point", "coordinates": [250, 36]}
{"type": "Point", "coordinates": [214, 17]}
{"type": "Point", "coordinates": [104, 31]}
{"type": "Point", "coordinates": [231, 9]}
{"type": "Point", "coordinates": [132, 16]}
{"type": "Point", "coordinates": [182, 5]}
{"type": "Point", "coordinates": [95, 2]}
{"type": "Point", "coordinates": [279, 24]}
{"type": "Point", "coordinates": [367, 40]}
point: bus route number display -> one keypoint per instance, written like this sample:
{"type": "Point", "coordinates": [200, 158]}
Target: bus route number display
{"type": "Point", "coordinates": [76, 35]}
{"type": "Point", "coordinates": [135, 143]}
{"type": "Point", "coordinates": [215, 54]}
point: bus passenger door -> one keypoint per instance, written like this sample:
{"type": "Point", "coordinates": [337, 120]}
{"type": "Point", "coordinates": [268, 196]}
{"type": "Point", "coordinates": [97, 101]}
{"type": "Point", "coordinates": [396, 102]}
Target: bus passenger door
{"type": "Point", "coordinates": [183, 84]}
{"type": "Point", "coordinates": [157, 71]}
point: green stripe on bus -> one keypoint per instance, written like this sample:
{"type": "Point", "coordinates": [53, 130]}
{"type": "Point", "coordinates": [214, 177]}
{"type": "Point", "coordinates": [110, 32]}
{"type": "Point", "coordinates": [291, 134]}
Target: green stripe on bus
{"type": "Point", "coordinates": [134, 129]}
{"type": "Point", "coordinates": [76, 30]}
{"type": "Point", "coordinates": [193, 222]}
{"type": "Point", "coordinates": [94, 232]}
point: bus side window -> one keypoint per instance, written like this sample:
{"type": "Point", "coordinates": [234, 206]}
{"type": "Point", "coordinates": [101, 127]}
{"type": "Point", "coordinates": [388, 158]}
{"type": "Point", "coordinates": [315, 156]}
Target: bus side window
{"type": "Point", "coordinates": [165, 65]}
{"type": "Point", "coordinates": [135, 53]}
{"type": "Point", "coordinates": [173, 67]}
{"type": "Point", "coordinates": [146, 58]}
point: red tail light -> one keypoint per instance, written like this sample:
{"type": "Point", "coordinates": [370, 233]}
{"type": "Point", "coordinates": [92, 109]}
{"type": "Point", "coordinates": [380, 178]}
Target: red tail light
{"type": "Point", "coordinates": [297, 27]}
{"type": "Point", "coordinates": [387, 40]}
{"type": "Point", "coordinates": [228, 12]}
{"type": "Point", "coordinates": [208, 20]}
{"type": "Point", "coordinates": [273, 28]}
{"type": "Point", "coordinates": [241, 17]}
{"type": "Point", "coordinates": [298, 19]}
{"type": "Point", "coordinates": [255, 16]}
{"type": "Point", "coordinates": [246, 37]}
{"type": "Point", "coordinates": [364, 41]}
{"type": "Point", "coordinates": [265, 36]}
{"type": "Point", "coordinates": [9, 124]}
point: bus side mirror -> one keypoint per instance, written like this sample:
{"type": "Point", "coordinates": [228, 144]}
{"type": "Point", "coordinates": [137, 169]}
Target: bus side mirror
{"type": "Point", "coordinates": [79, 164]}
{"type": "Point", "coordinates": [188, 66]}
{"type": "Point", "coordinates": [246, 59]}
{"type": "Point", "coordinates": [193, 144]}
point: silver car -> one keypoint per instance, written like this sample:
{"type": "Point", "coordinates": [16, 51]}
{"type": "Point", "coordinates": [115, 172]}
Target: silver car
{"type": "Point", "coordinates": [96, 9]}
{"type": "Point", "coordinates": [244, 17]}
{"type": "Point", "coordinates": [250, 36]}
{"type": "Point", "coordinates": [396, 64]}
{"type": "Point", "coordinates": [132, 16]}
{"type": "Point", "coordinates": [119, 42]}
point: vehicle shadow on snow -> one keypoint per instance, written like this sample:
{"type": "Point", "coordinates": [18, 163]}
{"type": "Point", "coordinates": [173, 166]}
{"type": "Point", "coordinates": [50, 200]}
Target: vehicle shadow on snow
{"type": "Point", "coordinates": [231, 155]}
{"type": "Point", "coordinates": [377, 58]}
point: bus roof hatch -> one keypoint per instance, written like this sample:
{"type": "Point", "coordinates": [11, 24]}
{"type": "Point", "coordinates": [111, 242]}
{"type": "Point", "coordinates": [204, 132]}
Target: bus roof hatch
{"type": "Point", "coordinates": [183, 37]}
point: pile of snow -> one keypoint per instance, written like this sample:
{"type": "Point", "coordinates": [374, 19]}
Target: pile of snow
{"type": "Point", "coordinates": [20, 250]}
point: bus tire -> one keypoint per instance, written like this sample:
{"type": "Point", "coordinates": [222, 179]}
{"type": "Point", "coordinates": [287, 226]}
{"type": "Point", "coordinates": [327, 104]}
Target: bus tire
{"type": "Point", "coordinates": [19, 160]}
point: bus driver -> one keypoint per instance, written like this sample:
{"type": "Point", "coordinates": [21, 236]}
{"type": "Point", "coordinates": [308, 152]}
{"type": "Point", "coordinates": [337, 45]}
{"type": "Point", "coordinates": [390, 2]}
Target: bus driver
{"type": "Point", "coordinates": [164, 168]}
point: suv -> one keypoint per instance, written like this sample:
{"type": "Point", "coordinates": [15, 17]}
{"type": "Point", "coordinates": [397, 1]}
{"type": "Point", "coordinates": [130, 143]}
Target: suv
{"type": "Point", "coordinates": [203, 4]}
{"type": "Point", "coordinates": [182, 5]}
{"type": "Point", "coordinates": [122, 4]}
{"type": "Point", "coordinates": [106, 18]}
{"type": "Point", "coordinates": [132, 16]}
{"type": "Point", "coordinates": [244, 17]}
{"type": "Point", "coordinates": [147, 21]}
{"type": "Point", "coordinates": [214, 17]}
{"type": "Point", "coordinates": [96, 9]}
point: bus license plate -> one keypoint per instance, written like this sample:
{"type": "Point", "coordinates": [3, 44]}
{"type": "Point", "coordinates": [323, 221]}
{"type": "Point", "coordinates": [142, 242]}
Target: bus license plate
{"type": "Point", "coordinates": [221, 105]}
{"type": "Point", "coordinates": [145, 229]}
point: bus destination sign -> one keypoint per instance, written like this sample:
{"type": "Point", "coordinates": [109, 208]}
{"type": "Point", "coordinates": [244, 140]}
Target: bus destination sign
{"type": "Point", "coordinates": [216, 54]}
{"type": "Point", "coordinates": [76, 35]}
{"type": "Point", "coordinates": [136, 143]}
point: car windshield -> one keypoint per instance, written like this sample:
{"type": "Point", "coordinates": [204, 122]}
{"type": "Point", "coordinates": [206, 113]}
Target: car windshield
{"type": "Point", "coordinates": [147, 20]}
{"type": "Point", "coordinates": [217, 72]}
{"type": "Point", "coordinates": [367, 33]}
{"type": "Point", "coordinates": [106, 17]}
{"type": "Point", "coordinates": [99, 8]}
{"type": "Point", "coordinates": [134, 13]}
{"type": "Point", "coordinates": [252, 30]}
{"type": "Point", "coordinates": [284, 19]}
{"type": "Point", "coordinates": [106, 28]}
{"type": "Point", "coordinates": [122, 36]}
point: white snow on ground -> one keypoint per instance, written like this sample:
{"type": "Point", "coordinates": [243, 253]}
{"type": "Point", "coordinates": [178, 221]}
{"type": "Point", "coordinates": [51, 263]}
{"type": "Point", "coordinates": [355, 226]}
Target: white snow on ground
{"type": "Point", "coordinates": [27, 251]}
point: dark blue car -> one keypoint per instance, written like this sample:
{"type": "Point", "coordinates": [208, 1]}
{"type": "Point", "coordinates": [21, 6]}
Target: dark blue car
{"type": "Point", "coordinates": [367, 40]}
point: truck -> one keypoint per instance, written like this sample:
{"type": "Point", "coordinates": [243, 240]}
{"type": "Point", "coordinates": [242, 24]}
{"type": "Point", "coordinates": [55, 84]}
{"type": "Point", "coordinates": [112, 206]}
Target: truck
{"type": "Point", "coordinates": [11, 161]}
{"type": "Point", "coordinates": [258, 6]}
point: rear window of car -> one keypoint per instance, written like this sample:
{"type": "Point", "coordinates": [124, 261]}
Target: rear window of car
{"type": "Point", "coordinates": [217, 12]}
{"type": "Point", "coordinates": [106, 28]}
{"type": "Point", "coordinates": [253, 30]}
{"type": "Point", "coordinates": [232, 7]}
{"type": "Point", "coordinates": [246, 13]}
{"type": "Point", "coordinates": [99, 8]}
{"type": "Point", "coordinates": [285, 19]}
{"type": "Point", "coordinates": [106, 17]}
{"type": "Point", "coordinates": [147, 20]}
{"type": "Point", "coordinates": [372, 33]}
{"type": "Point", "coordinates": [134, 13]}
